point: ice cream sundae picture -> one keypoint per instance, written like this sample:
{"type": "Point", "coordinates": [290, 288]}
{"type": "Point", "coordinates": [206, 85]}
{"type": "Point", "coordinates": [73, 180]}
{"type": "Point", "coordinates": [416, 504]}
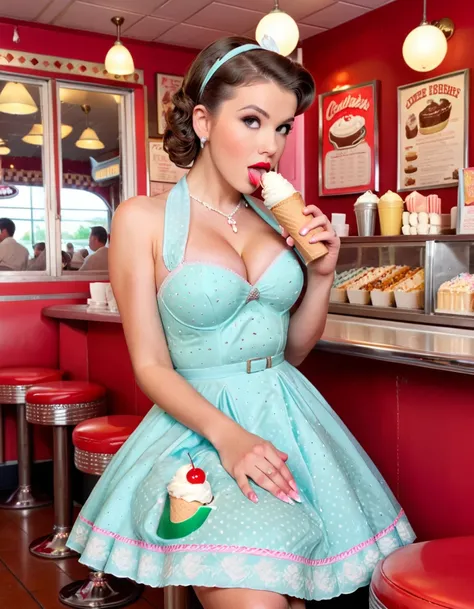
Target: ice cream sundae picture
{"type": "Point", "coordinates": [411, 127]}
{"type": "Point", "coordinates": [188, 504]}
{"type": "Point", "coordinates": [347, 132]}
{"type": "Point", "coordinates": [435, 116]}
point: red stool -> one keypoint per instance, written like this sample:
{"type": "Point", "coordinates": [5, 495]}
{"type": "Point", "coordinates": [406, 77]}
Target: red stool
{"type": "Point", "coordinates": [426, 575]}
{"type": "Point", "coordinates": [96, 441]}
{"type": "Point", "coordinates": [14, 383]}
{"type": "Point", "coordinates": [60, 404]}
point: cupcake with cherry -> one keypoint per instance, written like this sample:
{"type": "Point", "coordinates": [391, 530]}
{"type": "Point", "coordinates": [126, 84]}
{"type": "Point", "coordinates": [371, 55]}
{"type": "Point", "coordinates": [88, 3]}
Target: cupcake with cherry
{"type": "Point", "coordinates": [188, 504]}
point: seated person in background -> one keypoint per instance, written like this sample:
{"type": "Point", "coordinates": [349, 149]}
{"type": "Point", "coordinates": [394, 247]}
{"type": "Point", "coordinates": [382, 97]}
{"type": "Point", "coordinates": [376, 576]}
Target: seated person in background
{"type": "Point", "coordinates": [38, 263]}
{"type": "Point", "coordinates": [38, 248]}
{"type": "Point", "coordinates": [13, 255]}
{"type": "Point", "coordinates": [70, 249]}
{"type": "Point", "coordinates": [78, 259]}
{"type": "Point", "coordinates": [65, 260]}
{"type": "Point", "coordinates": [99, 259]}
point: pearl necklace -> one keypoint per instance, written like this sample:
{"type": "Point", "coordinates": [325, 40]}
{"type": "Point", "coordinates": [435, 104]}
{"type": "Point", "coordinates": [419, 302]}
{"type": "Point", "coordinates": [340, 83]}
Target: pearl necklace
{"type": "Point", "coordinates": [230, 217]}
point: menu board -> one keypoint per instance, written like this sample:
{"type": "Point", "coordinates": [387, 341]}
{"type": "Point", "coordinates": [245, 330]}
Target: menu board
{"type": "Point", "coordinates": [432, 131]}
{"type": "Point", "coordinates": [166, 87]}
{"type": "Point", "coordinates": [161, 168]}
{"type": "Point", "coordinates": [348, 140]}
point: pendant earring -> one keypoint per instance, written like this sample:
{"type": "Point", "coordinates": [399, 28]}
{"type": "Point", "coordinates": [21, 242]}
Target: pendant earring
{"type": "Point", "coordinates": [203, 141]}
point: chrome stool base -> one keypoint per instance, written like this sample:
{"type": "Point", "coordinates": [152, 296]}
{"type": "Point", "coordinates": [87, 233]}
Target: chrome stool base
{"type": "Point", "coordinates": [100, 590]}
{"type": "Point", "coordinates": [53, 545]}
{"type": "Point", "coordinates": [23, 499]}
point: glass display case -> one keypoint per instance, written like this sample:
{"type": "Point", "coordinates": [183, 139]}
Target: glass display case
{"type": "Point", "coordinates": [420, 279]}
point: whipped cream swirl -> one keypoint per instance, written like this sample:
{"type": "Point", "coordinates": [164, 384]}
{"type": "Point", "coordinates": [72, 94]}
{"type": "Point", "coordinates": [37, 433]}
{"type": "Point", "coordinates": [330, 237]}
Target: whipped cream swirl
{"type": "Point", "coordinates": [275, 188]}
{"type": "Point", "coordinates": [181, 488]}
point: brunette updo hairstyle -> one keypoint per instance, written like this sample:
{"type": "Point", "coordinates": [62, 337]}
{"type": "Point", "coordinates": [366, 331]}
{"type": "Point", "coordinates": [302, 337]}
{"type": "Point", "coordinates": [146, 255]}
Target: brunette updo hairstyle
{"type": "Point", "coordinates": [180, 140]}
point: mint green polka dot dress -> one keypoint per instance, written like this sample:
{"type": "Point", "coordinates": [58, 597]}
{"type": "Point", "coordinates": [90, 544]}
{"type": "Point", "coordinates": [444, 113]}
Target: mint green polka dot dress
{"type": "Point", "coordinates": [227, 338]}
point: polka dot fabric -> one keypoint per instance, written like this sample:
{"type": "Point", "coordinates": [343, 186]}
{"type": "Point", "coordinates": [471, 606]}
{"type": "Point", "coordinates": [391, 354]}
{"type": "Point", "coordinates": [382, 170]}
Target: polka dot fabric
{"type": "Point", "coordinates": [348, 519]}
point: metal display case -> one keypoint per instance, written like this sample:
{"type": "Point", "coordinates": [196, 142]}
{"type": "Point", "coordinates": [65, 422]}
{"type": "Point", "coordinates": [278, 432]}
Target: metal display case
{"type": "Point", "coordinates": [442, 257]}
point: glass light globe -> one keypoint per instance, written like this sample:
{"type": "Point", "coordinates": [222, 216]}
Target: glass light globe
{"type": "Point", "coordinates": [424, 48]}
{"type": "Point", "coordinates": [282, 28]}
{"type": "Point", "coordinates": [119, 60]}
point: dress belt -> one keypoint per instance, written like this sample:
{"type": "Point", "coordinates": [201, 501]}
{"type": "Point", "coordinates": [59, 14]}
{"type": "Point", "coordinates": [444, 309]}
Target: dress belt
{"type": "Point", "coordinates": [256, 364]}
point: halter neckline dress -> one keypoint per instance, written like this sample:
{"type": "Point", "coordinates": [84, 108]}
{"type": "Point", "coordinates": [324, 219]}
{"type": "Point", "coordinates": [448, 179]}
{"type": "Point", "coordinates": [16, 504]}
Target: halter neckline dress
{"type": "Point", "coordinates": [227, 338]}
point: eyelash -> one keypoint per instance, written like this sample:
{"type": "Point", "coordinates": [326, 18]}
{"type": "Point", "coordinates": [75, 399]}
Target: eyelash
{"type": "Point", "coordinates": [250, 119]}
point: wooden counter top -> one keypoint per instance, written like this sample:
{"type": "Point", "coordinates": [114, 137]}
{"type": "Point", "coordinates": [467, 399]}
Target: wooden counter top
{"type": "Point", "coordinates": [81, 313]}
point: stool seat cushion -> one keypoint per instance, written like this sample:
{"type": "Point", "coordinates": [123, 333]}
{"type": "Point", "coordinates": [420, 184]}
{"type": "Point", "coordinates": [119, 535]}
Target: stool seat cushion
{"type": "Point", "coordinates": [28, 376]}
{"type": "Point", "coordinates": [427, 575]}
{"type": "Point", "coordinates": [65, 392]}
{"type": "Point", "coordinates": [105, 434]}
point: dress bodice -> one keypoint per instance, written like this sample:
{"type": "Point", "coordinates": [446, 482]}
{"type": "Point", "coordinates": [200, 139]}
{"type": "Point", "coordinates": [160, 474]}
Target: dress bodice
{"type": "Point", "coordinates": [211, 315]}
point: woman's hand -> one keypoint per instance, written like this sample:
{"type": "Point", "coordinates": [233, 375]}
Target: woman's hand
{"type": "Point", "coordinates": [246, 455]}
{"type": "Point", "coordinates": [317, 220]}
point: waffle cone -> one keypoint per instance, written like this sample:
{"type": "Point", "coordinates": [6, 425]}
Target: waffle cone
{"type": "Point", "coordinates": [288, 214]}
{"type": "Point", "coordinates": [181, 510]}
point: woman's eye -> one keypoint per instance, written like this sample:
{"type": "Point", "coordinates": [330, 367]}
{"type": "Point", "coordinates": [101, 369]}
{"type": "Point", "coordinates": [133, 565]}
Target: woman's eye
{"type": "Point", "coordinates": [252, 122]}
{"type": "Point", "coordinates": [285, 129]}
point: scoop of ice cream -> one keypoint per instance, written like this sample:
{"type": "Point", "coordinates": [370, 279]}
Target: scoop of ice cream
{"type": "Point", "coordinates": [275, 188]}
{"type": "Point", "coordinates": [367, 197]}
{"type": "Point", "coordinates": [181, 488]}
{"type": "Point", "coordinates": [391, 197]}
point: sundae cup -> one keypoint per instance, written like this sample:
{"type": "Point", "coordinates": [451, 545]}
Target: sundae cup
{"type": "Point", "coordinates": [187, 505]}
{"type": "Point", "coordinates": [188, 491]}
{"type": "Point", "coordinates": [390, 207]}
{"type": "Point", "coordinates": [365, 209]}
{"type": "Point", "coordinates": [286, 204]}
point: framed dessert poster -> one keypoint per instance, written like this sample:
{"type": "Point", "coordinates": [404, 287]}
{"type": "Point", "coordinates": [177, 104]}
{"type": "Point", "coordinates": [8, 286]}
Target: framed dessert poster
{"type": "Point", "coordinates": [348, 140]}
{"type": "Point", "coordinates": [161, 169]}
{"type": "Point", "coordinates": [433, 131]}
{"type": "Point", "coordinates": [166, 87]}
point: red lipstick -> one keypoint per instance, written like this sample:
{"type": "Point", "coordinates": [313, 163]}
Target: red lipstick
{"type": "Point", "coordinates": [265, 166]}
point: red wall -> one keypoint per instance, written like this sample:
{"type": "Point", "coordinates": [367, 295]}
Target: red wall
{"type": "Point", "coordinates": [370, 48]}
{"type": "Point", "coordinates": [150, 57]}
{"type": "Point", "coordinates": [29, 339]}
{"type": "Point", "coordinates": [416, 425]}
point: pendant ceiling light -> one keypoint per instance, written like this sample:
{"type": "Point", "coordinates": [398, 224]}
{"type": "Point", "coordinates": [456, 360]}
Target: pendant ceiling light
{"type": "Point", "coordinates": [89, 138]}
{"type": "Point", "coordinates": [426, 46]}
{"type": "Point", "coordinates": [119, 60]}
{"type": "Point", "coordinates": [35, 135]}
{"type": "Point", "coordinates": [281, 28]}
{"type": "Point", "coordinates": [15, 99]}
{"type": "Point", "coordinates": [4, 149]}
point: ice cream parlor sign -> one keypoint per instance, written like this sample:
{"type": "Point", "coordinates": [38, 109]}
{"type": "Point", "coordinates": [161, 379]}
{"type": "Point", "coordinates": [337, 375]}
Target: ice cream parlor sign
{"type": "Point", "coordinates": [348, 140]}
{"type": "Point", "coordinates": [432, 132]}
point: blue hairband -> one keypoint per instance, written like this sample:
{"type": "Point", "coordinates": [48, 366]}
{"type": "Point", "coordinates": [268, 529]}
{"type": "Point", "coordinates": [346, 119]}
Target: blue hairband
{"type": "Point", "coordinates": [268, 44]}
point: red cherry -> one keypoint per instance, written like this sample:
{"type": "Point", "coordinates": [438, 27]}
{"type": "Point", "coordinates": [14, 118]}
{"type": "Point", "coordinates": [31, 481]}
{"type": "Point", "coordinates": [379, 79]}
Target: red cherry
{"type": "Point", "coordinates": [196, 476]}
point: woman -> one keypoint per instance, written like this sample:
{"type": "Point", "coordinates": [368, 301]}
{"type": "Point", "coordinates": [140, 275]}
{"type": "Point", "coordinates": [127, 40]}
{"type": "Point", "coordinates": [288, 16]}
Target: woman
{"type": "Point", "coordinates": [300, 512]}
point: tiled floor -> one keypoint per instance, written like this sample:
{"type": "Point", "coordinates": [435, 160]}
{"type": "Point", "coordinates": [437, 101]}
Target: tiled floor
{"type": "Point", "coordinates": [27, 582]}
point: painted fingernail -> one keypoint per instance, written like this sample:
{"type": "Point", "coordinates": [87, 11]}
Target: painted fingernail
{"type": "Point", "coordinates": [283, 497]}
{"type": "Point", "coordinates": [295, 496]}
{"type": "Point", "coordinates": [253, 497]}
{"type": "Point", "coordinates": [304, 231]}
{"type": "Point", "coordinates": [292, 483]}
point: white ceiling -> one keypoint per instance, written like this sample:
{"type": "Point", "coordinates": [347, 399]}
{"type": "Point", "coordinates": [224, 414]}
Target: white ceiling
{"type": "Point", "coordinates": [189, 23]}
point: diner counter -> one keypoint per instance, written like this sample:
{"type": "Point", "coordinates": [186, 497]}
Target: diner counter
{"type": "Point", "coordinates": [435, 347]}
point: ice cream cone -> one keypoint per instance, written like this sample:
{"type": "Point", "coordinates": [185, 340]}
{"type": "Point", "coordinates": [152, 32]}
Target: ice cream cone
{"type": "Point", "coordinates": [181, 510]}
{"type": "Point", "coordinates": [289, 214]}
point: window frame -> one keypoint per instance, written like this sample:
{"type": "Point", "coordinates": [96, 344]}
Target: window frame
{"type": "Point", "coordinates": [52, 167]}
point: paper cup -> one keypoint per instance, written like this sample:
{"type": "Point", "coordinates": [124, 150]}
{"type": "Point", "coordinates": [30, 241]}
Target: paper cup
{"type": "Point", "coordinates": [98, 291]}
